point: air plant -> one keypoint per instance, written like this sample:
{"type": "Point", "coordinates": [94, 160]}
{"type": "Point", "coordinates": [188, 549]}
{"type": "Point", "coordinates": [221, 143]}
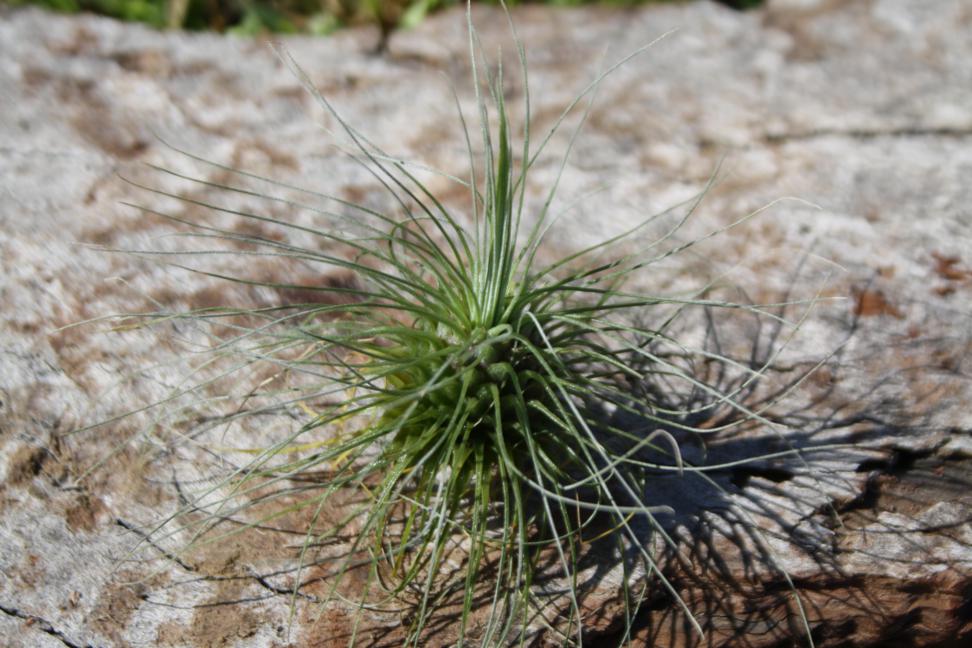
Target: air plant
{"type": "Point", "coordinates": [467, 388]}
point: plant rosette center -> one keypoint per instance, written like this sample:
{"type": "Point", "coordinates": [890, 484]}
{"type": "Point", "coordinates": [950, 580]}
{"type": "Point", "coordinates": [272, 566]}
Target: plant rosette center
{"type": "Point", "coordinates": [452, 383]}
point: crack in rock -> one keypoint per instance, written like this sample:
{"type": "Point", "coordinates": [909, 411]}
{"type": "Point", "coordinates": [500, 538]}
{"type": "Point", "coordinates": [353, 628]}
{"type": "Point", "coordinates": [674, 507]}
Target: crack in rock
{"type": "Point", "coordinates": [869, 134]}
{"type": "Point", "coordinates": [43, 625]}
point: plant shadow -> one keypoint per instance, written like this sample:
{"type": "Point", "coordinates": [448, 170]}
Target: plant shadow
{"type": "Point", "coordinates": [751, 552]}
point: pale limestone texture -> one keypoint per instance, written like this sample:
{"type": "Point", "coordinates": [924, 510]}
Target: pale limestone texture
{"type": "Point", "coordinates": [858, 112]}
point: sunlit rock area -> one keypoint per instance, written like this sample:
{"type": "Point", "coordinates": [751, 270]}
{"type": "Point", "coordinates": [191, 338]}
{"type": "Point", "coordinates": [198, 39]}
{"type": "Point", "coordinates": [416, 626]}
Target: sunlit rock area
{"type": "Point", "coordinates": [843, 126]}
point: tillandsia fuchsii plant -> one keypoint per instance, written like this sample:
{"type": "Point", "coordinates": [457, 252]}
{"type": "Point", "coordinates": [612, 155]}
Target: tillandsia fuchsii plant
{"type": "Point", "coordinates": [469, 381]}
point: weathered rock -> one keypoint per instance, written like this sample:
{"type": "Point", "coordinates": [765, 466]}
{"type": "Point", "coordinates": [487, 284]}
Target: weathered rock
{"type": "Point", "coordinates": [863, 108]}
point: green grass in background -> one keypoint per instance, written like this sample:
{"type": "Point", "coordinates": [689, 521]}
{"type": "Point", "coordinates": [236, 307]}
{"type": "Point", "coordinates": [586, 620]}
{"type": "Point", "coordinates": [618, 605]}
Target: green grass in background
{"type": "Point", "coordinates": [249, 17]}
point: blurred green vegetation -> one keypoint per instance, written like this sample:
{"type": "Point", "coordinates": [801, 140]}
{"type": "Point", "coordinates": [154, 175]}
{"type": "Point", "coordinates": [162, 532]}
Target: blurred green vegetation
{"type": "Point", "coordinates": [249, 17]}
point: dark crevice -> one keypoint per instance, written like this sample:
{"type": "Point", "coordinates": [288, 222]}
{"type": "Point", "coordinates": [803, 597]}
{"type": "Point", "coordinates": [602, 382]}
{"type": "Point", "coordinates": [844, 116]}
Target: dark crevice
{"type": "Point", "coordinates": [43, 625]}
{"type": "Point", "coordinates": [259, 579]}
{"type": "Point", "coordinates": [869, 134]}
{"type": "Point", "coordinates": [963, 613]}
{"type": "Point", "coordinates": [867, 499]}
{"type": "Point", "coordinates": [128, 526]}
{"type": "Point", "coordinates": [741, 5]}
{"type": "Point", "coordinates": [782, 585]}
{"type": "Point", "coordinates": [740, 476]}
{"type": "Point", "coordinates": [900, 461]}
{"type": "Point", "coordinates": [282, 591]}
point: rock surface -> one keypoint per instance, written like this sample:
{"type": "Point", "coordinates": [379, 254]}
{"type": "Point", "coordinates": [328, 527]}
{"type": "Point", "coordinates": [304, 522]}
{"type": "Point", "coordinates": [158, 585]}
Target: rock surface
{"type": "Point", "coordinates": [861, 107]}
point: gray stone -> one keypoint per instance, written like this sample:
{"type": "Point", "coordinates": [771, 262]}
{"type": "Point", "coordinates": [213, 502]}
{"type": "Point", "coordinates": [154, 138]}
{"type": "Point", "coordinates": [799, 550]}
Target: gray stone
{"type": "Point", "coordinates": [859, 113]}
